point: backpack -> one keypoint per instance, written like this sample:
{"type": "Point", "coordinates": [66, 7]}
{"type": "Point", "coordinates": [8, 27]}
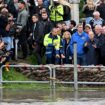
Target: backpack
{"type": "Point", "coordinates": [67, 13]}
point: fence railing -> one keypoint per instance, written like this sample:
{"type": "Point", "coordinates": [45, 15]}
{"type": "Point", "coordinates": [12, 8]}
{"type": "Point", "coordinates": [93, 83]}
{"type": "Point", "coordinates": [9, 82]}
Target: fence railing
{"type": "Point", "coordinates": [52, 75]}
{"type": "Point", "coordinates": [27, 66]}
{"type": "Point", "coordinates": [76, 82]}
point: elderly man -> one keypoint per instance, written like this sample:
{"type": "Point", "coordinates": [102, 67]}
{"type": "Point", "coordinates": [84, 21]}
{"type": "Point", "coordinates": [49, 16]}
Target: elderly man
{"type": "Point", "coordinates": [101, 45]}
{"type": "Point", "coordinates": [98, 36]}
{"type": "Point", "coordinates": [97, 20]}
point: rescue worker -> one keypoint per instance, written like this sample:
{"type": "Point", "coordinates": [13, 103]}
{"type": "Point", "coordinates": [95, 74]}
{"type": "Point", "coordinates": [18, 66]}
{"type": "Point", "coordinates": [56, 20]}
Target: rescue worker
{"type": "Point", "coordinates": [56, 12]}
{"type": "Point", "coordinates": [52, 44]}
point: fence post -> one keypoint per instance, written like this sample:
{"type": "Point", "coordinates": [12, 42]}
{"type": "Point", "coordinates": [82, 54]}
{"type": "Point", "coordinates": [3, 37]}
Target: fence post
{"type": "Point", "coordinates": [0, 77]}
{"type": "Point", "coordinates": [1, 95]}
{"type": "Point", "coordinates": [54, 77]}
{"type": "Point", "coordinates": [16, 49]}
{"type": "Point", "coordinates": [75, 67]}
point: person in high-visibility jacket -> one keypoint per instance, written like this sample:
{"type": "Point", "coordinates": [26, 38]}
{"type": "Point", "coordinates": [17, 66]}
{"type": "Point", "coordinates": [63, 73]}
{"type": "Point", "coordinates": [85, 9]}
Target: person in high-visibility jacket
{"type": "Point", "coordinates": [56, 12]}
{"type": "Point", "coordinates": [52, 44]}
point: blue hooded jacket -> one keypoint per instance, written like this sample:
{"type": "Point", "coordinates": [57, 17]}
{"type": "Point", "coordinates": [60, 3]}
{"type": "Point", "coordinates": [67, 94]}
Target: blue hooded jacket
{"type": "Point", "coordinates": [80, 40]}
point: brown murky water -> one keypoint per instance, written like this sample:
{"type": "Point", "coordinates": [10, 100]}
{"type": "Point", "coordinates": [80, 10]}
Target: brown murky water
{"type": "Point", "coordinates": [49, 97]}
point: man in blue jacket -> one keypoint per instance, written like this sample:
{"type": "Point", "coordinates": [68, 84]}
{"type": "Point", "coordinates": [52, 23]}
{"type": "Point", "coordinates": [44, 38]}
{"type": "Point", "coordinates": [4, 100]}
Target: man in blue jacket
{"type": "Point", "coordinates": [81, 38]}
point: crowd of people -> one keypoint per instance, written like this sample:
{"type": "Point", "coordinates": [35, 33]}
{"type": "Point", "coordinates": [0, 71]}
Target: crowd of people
{"type": "Point", "coordinates": [45, 28]}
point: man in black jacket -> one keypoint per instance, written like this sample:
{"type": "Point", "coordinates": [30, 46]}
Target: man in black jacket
{"type": "Point", "coordinates": [98, 36]}
{"type": "Point", "coordinates": [72, 27]}
{"type": "Point", "coordinates": [102, 45]}
{"type": "Point", "coordinates": [38, 9]}
{"type": "Point", "coordinates": [37, 35]}
{"type": "Point", "coordinates": [46, 23]}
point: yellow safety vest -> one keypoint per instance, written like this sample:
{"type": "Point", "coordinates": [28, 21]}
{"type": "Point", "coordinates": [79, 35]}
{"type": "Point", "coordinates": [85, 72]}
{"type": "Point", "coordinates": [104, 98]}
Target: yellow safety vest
{"type": "Point", "coordinates": [55, 42]}
{"type": "Point", "coordinates": [56, 13]}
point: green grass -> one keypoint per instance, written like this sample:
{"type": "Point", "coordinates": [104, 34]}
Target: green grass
{"type": "Point", "coordinates": [32, 60]}
{"type": "Point", "coordinates": [13, 75]}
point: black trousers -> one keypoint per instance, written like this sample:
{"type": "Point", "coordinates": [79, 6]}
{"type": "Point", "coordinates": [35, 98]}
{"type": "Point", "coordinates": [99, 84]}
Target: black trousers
{"type": "Point", "coordinates": [23, 42]}
{"type": "Point", "coordinates": [103, 60]}
{"type": "Point", "coordinates": [38, 53]}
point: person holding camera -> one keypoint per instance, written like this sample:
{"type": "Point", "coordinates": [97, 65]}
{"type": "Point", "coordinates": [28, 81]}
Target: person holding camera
{"type": "Point", "coordinates": [5, 28]}
{"type": "Point", "coordinates": [22, 21]}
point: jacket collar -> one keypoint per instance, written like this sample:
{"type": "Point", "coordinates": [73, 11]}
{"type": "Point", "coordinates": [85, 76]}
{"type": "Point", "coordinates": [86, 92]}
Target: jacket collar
{"type": "Point", "coordinates": [80, 35]}
{"type": "Point", "coordinates": [51, 36]}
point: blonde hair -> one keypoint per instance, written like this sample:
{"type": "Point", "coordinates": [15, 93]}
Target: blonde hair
{"type": "Point", "coordinates": [90, 4]}
{"type": "Point", "coordinates": [65, 34]}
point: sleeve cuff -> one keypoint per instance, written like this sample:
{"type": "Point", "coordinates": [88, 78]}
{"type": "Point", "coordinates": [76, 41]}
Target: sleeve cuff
{"type": "Point", "coordinates": [50, 45]}
{"type": "Point", "coordinates": [57, 51]}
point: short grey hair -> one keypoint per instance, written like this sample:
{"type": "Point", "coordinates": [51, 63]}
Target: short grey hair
{"type": "Point", "coordinates": [96, 13]}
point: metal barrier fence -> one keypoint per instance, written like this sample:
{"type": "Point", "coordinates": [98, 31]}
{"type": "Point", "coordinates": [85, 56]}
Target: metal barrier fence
{"type": "Point", "coordinates": [30, 66]}
{"type": "Point", "coordinates": [75, 82]}
{"type": "Point", "coordinates": [52, 75]}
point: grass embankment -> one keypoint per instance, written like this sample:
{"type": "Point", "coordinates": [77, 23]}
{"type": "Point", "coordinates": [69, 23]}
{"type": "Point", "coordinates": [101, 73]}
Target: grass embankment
{"type": "Point", "coordinates": [13, 75]}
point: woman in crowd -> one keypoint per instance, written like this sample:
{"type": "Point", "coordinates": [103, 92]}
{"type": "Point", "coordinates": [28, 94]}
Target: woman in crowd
{"type": "Point", "coordinates": [64, 50]}
{"type": "Point", "coordinates": [88, 28]}
{"type": "Point", "coordinates": [88, 10]}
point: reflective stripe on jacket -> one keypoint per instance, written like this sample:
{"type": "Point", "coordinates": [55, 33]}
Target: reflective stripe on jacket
{"type": "Point", "coordinates": [56, 13]}
{"type": "Point", "coordinates": [52, 43]}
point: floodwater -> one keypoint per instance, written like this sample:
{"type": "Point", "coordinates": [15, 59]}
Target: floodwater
{"type": "Point", "coordinates": [51, 97]}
